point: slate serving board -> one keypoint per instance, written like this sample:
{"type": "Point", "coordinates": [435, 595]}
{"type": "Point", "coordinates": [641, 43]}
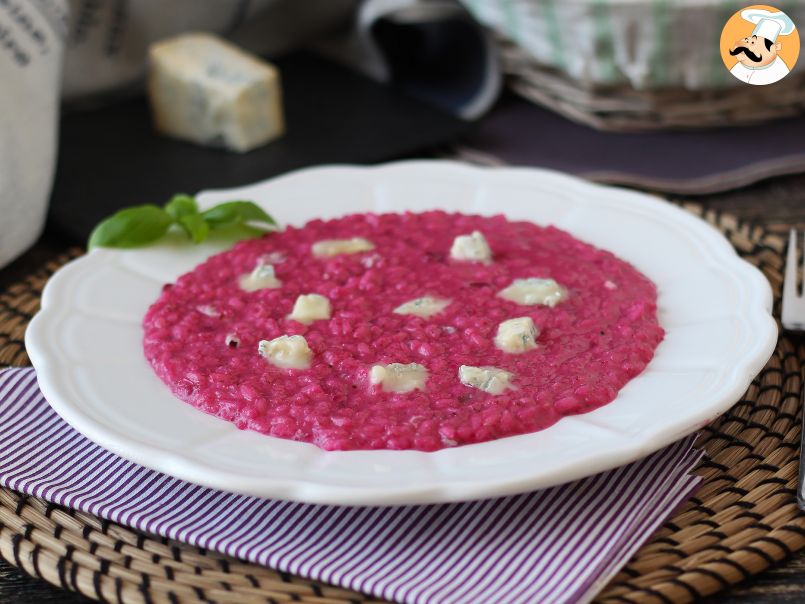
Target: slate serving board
{"type": "Point", "coordinates": [111, 157]}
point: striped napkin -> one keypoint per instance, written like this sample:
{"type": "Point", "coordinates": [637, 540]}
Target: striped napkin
{"type": "Point", "coordinates": [556, 545]}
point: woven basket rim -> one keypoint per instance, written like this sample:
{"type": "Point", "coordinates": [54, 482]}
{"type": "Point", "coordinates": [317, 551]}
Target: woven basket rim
{"type": "Point", "coordinates": [621, 108]}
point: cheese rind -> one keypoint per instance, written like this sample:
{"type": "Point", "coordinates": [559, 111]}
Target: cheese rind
{"type": "Point", "coordinates": [334, 247]}
{"type": "Point", "coordinates": [534, 290]}
{"type": "Point", "coordinates": [517, 335]}
{"type": "Point", "coordinates": [309, 308]}
{"type": "Point", "coordinates": [398, 377]}
{"type": "Point", "coordinates": [471, 248]}
{"type": "Point", "coordinates": [489, 379]}
{"type": "Point", "coordinates": [425, 306]}
{"type": "Point", "coordinates": [286, 352]}
{"type": "Point", "coordinates": [208, 91]}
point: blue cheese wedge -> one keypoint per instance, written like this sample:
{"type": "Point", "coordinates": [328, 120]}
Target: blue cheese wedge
{"type": "Point", "coordinates": [533, 290]}
{"type": "Point", "coordinates": [334, 247]}
{"type": "Point", "coordinates": [207, 91]}
{"type": "Point", "coordinates": [398, 377]}
{"type": "Point", "coordinates": [262, 277]}
{"type": "Point", "coordinates": [517, 335]}
{"type": "Point", "coordinates": [309, 308]}
{"type": "Point", "coordinates": [286, 352]}
{"type": "Point", "coordinates": [425, 306]}
{"type": "Point", "coordinates": [471, 248]}
{"type": "Point", "coordinates": [489, 379]}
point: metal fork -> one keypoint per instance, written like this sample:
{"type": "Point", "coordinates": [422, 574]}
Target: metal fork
{"type": "Point", "coordinates": [793, 317]}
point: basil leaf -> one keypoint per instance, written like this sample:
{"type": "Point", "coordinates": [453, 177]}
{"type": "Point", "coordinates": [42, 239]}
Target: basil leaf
{"type": "Point", "coordinates": [131, 227]}
{"type": "Point", "coordinates": [195, 226]}
{"type": "Point", "coordinates": [181, 205]}
{"type": "Point", "coordinates": [236, 212]}
{"type": "Point", "coordinates": [228, 235]}
{"type": "Point", "coordinates": [141, 225]}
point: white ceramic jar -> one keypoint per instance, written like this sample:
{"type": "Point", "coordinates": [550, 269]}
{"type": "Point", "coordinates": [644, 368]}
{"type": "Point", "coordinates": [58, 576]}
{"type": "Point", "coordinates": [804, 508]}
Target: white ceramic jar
{"type": "Point", "coordinates": [30, 70]}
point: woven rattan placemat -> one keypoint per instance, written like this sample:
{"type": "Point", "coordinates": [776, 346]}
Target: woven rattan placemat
{"type": "Point", "coordinates": [743, 519]}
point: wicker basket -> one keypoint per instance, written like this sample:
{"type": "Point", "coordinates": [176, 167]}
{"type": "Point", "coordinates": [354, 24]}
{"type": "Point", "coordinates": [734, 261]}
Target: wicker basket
{"type": "Point", "coordinates": [625, 109]}
{"type": "Point", "coordinates": [631, 65]}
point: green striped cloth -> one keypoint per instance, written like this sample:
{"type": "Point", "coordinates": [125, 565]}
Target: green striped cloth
{"type": "Point", "coordinates": [648, 44]}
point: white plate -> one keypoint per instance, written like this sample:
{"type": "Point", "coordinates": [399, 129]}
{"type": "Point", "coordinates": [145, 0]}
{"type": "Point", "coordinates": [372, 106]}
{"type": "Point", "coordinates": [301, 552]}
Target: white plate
{"type": "Point", "coordinates": [85, 343]}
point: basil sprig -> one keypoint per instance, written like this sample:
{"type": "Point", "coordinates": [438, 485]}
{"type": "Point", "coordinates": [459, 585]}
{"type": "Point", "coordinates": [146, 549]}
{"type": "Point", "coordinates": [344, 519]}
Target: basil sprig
{"type": "Point", "coordinates": [140, 225]}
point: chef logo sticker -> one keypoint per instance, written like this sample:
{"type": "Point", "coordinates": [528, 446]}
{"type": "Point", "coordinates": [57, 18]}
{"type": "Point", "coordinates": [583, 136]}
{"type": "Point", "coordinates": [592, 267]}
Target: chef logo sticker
{"type": "Point", "coordinates": [760, 45]}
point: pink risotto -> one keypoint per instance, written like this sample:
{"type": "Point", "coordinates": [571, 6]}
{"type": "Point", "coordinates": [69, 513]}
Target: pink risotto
{"type": "Point", "coordinates": [203, 333]}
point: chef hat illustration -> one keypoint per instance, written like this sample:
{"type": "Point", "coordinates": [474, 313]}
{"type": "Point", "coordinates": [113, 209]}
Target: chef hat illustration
{"type": "Point", "coordinates": [768, 25]}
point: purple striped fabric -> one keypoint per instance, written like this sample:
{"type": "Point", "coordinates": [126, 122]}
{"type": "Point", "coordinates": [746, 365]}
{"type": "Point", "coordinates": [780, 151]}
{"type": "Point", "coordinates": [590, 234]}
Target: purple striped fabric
{"type": "Point", "coordinates": [556, 545]}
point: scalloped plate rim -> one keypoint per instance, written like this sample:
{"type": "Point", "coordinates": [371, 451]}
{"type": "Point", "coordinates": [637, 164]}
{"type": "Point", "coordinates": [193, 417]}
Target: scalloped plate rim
{"type": "Point", "coordinates": [735, 380]}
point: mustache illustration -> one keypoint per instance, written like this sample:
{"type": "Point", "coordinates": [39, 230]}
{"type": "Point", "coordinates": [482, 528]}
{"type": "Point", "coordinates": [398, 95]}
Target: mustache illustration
{"type": "Point", "coordinates": [752, 56]}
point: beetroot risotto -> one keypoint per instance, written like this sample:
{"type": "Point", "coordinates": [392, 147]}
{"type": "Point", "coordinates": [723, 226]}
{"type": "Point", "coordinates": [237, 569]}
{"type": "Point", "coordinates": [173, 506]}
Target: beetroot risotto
{"type": "Point", "coordinates": [403, 331]}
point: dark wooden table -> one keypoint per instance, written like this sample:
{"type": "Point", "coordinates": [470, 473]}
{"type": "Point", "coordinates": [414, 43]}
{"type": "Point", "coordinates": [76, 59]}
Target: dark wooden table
{"type": "Point", "coordinates": [778, 204]}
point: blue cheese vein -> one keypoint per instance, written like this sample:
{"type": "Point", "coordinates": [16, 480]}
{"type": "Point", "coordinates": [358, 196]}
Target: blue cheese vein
{"type": "Point", "coordinates": [517, 335]}
{"type": "Point", "coordinates": [426, 306]}
{"type": "Point", "coordinates": [471, 248]}
{"type": "Point", "coordinates": [262, 277]}
{"type": "Point", "coordinates": [492, 380]}
{"type": "Point", "coordinates": [208, 91]}
{"type": "Point", "coordinates": [533, 291]}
